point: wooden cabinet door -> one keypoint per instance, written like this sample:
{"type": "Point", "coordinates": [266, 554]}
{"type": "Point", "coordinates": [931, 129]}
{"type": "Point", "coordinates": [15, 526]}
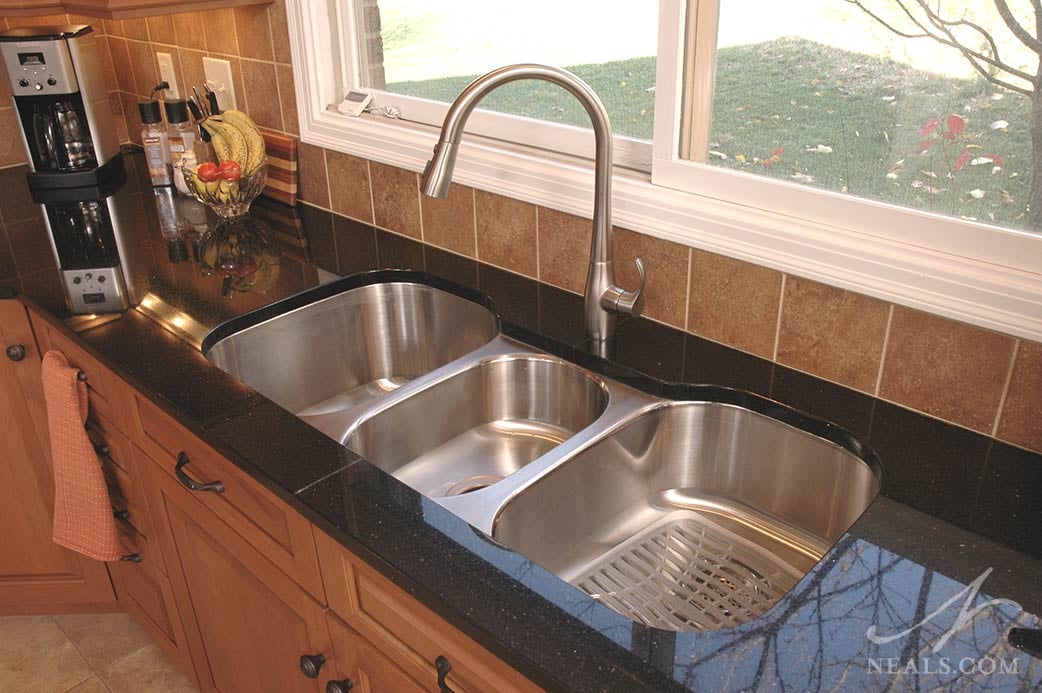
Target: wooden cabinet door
{"type": "Point", "coordinates": [358, 661]}
{"type": "Point", "coordinates": [248, 623]}
{"type": "Point", "coordinates": [36, 575]}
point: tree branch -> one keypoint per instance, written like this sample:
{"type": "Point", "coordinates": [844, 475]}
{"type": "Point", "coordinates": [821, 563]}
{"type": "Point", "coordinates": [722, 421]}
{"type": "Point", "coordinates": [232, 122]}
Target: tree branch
{"type": "Point", "coordinates": [947, 37]}
{"type": "Point", "coordinates": [1020, 32]}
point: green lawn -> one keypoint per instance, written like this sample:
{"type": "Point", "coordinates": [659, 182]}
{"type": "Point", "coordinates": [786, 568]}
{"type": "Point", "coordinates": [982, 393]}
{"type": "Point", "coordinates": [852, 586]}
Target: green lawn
{"type": "Point", "coordinates": [792, 95]}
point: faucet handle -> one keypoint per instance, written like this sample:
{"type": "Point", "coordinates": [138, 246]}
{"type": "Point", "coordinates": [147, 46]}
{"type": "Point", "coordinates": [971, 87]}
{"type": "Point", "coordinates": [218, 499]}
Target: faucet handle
{"type": "Point", "coordinates": [632, 302]}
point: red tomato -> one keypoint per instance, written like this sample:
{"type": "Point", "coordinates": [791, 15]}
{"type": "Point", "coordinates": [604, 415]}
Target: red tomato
{"type": "Point", "coordinates": [207, 172]}
{"type": "Point", "coordinates": [230, 170]}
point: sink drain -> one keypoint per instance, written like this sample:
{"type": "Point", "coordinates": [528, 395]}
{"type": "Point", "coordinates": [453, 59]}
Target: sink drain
{"type": "Point", "coordinates": [472, 483]}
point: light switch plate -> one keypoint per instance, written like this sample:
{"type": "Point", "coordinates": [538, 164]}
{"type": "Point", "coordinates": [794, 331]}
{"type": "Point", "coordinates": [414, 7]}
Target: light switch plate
{"type": "Point", "coordinates": [167, 74]}
{"type": "Point", "coordinates": [218, 75]}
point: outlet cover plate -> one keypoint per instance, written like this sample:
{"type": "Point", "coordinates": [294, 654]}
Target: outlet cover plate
{"type": "Point", "coordinates": [218, 75]}
{"type": "Point", "coordinates": [168, 75]}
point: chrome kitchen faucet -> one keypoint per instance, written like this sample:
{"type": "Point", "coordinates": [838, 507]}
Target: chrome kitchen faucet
{"type": "Point", "coordinates": [604, 299]}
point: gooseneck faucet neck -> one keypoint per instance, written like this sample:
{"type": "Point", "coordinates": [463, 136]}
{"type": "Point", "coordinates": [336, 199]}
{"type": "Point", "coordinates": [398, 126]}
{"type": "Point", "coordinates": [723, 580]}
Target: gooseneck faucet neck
{"type": "Point", "coordinates": [603, 298]}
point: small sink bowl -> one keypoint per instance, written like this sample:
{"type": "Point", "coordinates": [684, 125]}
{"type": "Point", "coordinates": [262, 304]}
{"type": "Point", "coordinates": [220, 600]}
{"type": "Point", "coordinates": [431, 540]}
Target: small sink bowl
{"type": "Point", "coordinates": [352, 348]}
{"type": "Point", "coordinates": [480, 425]}
{"type": "Point", "coordinates": [692, 516]}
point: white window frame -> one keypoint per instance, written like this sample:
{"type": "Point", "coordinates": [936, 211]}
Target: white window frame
{"type": "Point", "coordinates": [964, 270]}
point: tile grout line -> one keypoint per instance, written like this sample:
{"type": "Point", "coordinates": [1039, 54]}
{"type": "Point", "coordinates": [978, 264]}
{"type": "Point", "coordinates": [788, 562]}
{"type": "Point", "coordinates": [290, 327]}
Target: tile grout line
{"type": "Point", "coordinates": [777, 325]}
{"type": "Point", "coordinates": [687, 294]}
{"type": "Point", "coordinates": [474, 213]}
{"type": "Point", "coordinates": [419, 209]}
{"type": "Point", "coordinates": [1005, 389]}
{"type": "Point", "coordinates": [325, 171]}
{"type": "Point", "coordinates": [538, 269]}
{"type": "Point", "coordinates": [94, 672]}
{"type": "Point", "coordinates": [886, 346]}
{"type": "Point", "coordinates": [372, 195]}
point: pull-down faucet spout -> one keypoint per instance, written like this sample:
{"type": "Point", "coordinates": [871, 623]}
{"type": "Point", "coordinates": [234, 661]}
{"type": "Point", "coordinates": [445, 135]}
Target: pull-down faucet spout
{"type": "Point", "coordinates": [604, 299]}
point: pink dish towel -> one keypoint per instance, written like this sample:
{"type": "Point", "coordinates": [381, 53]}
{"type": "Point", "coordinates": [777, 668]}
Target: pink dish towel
{"type": "Point", "coordinates": [83, 519]}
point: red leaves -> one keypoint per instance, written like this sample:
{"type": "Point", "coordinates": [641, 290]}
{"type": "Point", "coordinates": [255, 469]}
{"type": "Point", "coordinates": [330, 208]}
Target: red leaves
{"type": "Point", "coordinates": [963, 159]}
{"type": "Point", "coordinates": [956, 124]}
{"type": "Point", "coordinates": [925, 145]}
{"type": "Point", "coordinates": [928, 127]}
{"type": "Point", "coordinates": [999, 161]}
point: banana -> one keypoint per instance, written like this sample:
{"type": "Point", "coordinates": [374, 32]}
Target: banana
{"type": "Point", "coordinates": [254, 138]}
{"type": "Point", "coordinates": [228, 141]}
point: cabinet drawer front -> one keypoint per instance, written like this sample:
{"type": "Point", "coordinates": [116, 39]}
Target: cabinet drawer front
{"type": "Point", "coordinates": [146, 595]}
{"type": "Point", "coordinates": [250, 622]}
{"type": "Point", "coordinates": [271, 526]}
{"type": "Point", "coordinates": [406, 631]}
{"type": "Point", "coordinates": [107, 393]}
{"type": "Point", "coordinates": [359, 661]}
{"type": "Point", "coordinates": [135, 542]}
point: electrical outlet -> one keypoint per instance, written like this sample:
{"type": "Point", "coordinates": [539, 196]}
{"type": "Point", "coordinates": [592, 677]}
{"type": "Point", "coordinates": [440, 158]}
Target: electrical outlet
{"type": "Point", "coordinates": [167, 74]}
{"type": "Point", "coordinates": [218, 75]}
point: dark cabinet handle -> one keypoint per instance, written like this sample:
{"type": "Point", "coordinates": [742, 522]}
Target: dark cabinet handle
{"type": "Point", "coordinates": [342, 686]}
{"type": "Point", "coordinates": [81, 376]}
{"type": "Point", "coordinates": [103, 450]}
{"type": "Point", "coordinates": [310, 665]}
{"type": "Point", "coordinates": [121, 514]}
{"type": "Point", "coordinates": [16, 352]}
{"type": "Point", "coordinates": [443, 667]}
{"type": "Point", "coordinates": [131, 558]}
{"type": "Point", "coordinates": [190, 483]}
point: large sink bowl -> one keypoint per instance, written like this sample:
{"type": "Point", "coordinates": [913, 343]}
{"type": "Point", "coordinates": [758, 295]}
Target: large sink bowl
{"type": "Point", "coordinates": [692, 516]}
{"type": "Point", "coordinates": [480, 425]}
{"type": "Point", "coordinates": [346, 350]}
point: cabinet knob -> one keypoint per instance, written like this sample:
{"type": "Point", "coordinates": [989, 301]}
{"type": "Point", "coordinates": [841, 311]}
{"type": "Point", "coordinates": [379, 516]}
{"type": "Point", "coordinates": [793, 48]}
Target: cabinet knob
{"type": "Point", "coordinates": [15, 352]}
{"type": "Point", "coordinates": [310, 665]}
{"type": "Point", "coordinates": [103, 450]}
{"type": "Point", "coordinates": [121, 514]}
{"type": "Point", "coordinates": [443, 667]}
{"type": "Point", "coordinates": [342, 686]}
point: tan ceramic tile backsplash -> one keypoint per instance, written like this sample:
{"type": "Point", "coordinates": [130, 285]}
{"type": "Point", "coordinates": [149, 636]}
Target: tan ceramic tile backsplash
{"type": "Point", "coordinates": [449, 223]}
{"type": "Point", "coordinates": [667, 273]}
{"type": "Point", "coordinates": [835, 333]}
{"type": "Point", "coordinates": [951, 370]}
{"type": "Point", "coordinates": [1021, 421]}
{"type": "Point", "coordinates": [734, 302]}
{"type": "Point", "coordinates": [506, 233]}
{"type": "Point", "coordinates": [938, 366]}
{"type": "Point", "coordinates": [564, 239]}
{"type": "Point", "coordinates": [396, 198]}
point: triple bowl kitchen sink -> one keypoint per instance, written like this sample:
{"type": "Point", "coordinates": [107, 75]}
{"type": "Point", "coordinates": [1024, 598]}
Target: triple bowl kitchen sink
{"type": "Point", "coordinates": [682, 515]}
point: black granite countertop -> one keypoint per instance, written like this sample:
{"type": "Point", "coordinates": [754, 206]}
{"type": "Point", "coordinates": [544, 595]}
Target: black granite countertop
{"type": "Point", "coordinates": [904, 600]}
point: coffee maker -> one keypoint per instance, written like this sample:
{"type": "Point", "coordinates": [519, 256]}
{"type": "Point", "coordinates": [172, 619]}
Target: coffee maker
{"type": "Point", "coordinates": [76, 168]}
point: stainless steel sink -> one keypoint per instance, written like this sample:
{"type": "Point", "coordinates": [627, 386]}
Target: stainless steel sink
{"type": "Point", "coordinates": [349, 349]}
{"type": "Point", "coordinates": [683, 515]}
{"type": "Point", "coordinates": [481, 424]}
{"type": "Point", "coordinates": [692, 515]}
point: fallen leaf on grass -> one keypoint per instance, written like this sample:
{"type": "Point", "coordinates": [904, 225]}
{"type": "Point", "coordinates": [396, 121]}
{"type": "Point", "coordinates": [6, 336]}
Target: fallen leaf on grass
{"type": "Point", "coordinates": [999, 125]}
{"type": "Point", "coordinates": [802, 178]}
{"type": "Point", "coordinates": [977, 194]}
{"type": "Point", "coordinates": [820, 149]}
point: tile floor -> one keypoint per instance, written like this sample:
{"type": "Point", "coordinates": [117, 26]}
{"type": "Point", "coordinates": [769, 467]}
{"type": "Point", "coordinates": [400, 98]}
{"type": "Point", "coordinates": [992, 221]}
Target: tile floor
{"type": "Point", "coordinates": [83, 653]}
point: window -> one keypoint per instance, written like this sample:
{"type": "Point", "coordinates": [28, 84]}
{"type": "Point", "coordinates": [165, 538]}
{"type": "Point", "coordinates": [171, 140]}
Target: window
{"type": "Point", "coordinates": [810, 136]}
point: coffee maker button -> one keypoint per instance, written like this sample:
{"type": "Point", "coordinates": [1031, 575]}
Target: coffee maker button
{"type": "Point", "coordinates": [101, 279]}
{"type": "Point", "coordinates": [38, 87]}
{"type": "Point", "coordinates": [88, 276]}
{"type": "Point", "coordinates": [51, 81]}
{"type": "Point", "coordinates": [23, 82]}
{"type": "Point", "coordinates": [76, 280]}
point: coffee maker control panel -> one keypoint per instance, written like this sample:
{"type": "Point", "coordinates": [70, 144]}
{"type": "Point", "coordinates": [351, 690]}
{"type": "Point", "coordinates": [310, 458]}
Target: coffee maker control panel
{"type": "Point", "coordinates": [99, 290]}
{"type": "Point", "coordinates": [39, 67]}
